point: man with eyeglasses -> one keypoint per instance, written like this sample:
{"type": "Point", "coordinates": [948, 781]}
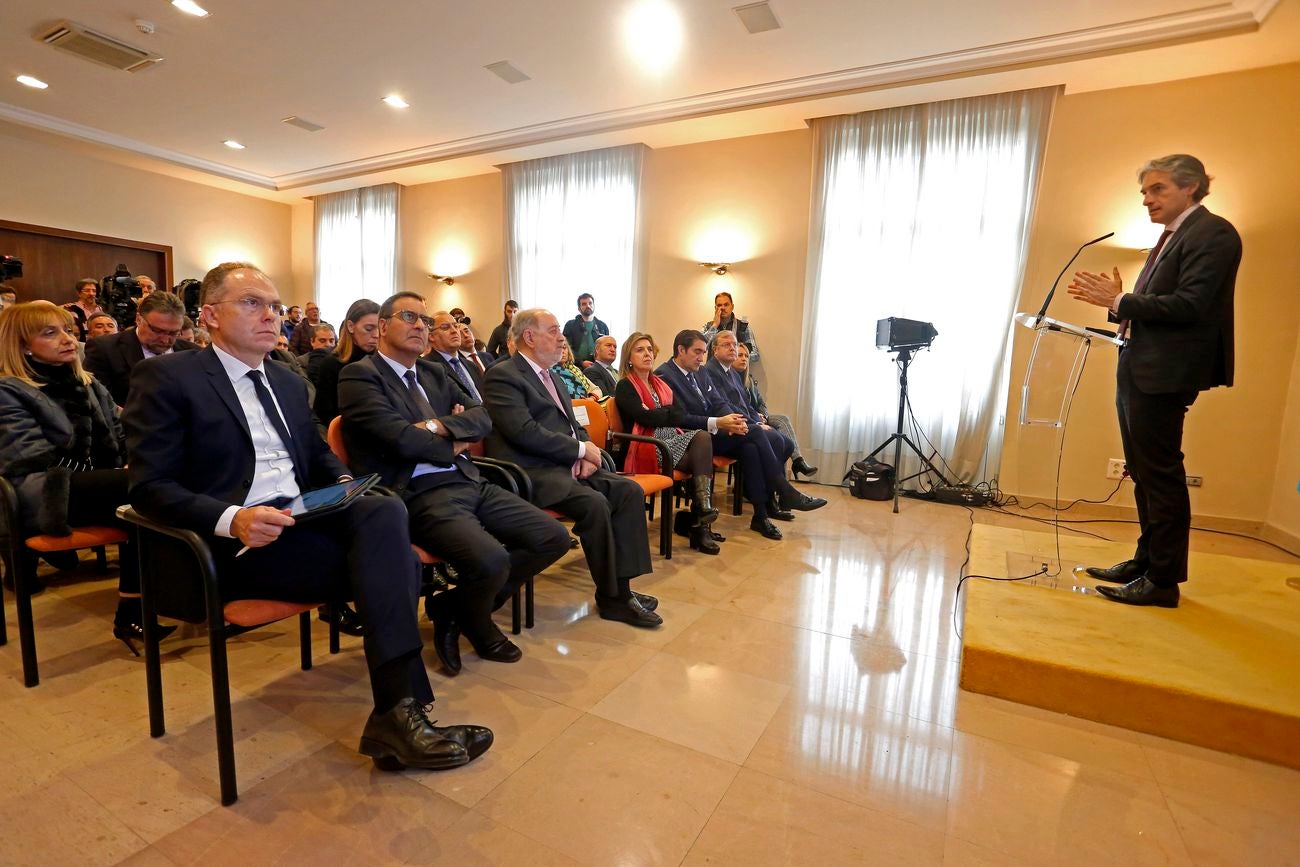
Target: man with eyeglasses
{"type": "Point", "coordinates": [214, 436]}
{"type": "Point", "coordinates": [446, 341]}
{"type": "Point", "coordinates": [406, 420]}
{"type": "Point", "coordinates": [158, 322]}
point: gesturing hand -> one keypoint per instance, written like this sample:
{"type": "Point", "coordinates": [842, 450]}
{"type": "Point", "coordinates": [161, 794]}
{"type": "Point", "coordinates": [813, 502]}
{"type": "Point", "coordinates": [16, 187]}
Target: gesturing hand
{"type": "Point", "coordinates": [256, 526]}
{"type": "Point", "coordinates": [1098, 289]}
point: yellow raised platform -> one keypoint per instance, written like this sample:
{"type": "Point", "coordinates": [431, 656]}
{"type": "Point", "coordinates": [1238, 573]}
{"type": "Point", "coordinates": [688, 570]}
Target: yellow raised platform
{"type": "Point", "coordinates": [1221, 671]}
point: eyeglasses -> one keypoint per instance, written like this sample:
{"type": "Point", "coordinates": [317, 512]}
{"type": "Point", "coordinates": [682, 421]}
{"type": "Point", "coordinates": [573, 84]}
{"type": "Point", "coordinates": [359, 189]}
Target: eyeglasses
{"type": "Point", "coordinates": [249, 304]}
{"type": "Point", "coordinates": [410, 317]}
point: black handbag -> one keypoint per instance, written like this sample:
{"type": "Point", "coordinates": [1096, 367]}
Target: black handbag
{"type": "Point", "coordinates": [870, 480]}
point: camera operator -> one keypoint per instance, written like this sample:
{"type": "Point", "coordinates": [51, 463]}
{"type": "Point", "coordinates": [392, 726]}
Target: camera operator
{"type": "Point", "coordinates": [85, 306]}
{"type": "Point", "coordinates": [158, 322]}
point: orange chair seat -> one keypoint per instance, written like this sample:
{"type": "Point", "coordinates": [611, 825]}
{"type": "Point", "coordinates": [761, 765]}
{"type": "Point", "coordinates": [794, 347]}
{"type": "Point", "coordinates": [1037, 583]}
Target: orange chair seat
{"type": "Point", "coordinates": [81, 537]}
{"type": "Point", "coordinates": [556, 515]}
{"type": "Point", "coordinates": [679, 476]}
{"type": "Point", "coordinates": [425, 557]}
{"type": "Point", "coordinates": [651, 483]}
{"type": "Point", "coordinates": [255, 612]}
{"type": "Point", "coordinates": [722, 463]}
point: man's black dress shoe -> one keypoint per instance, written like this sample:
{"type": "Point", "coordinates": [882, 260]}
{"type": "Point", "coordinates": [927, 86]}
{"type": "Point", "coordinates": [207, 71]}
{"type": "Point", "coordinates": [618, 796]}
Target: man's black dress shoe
{"type": "Point", "coordinates": [1120, 573]}
{"type": "Point", "coordinates": [648, 602]}
{"type": "Point", "coordinates": [403, 737]}
{"type": "Point", "coordinates": [1143, 592]}
{"type": "Point", "coordinates": [348, 620]}
{"type": "Point", "coordinates": [628, 611]}
{"type": "Point", "coordinates": [765, 528]}
{"type": "Point", "coordinates": [702, 541]}
{"type": "Point", "coordinates": [501, 650]}
{"type": "Point", "coordinates": [446, 643]}
{"type": "Point", "coordinates": [775, 511]}
{"type": "Point", "coordinates": [803, 503]}
{"type": "Point", "coordinates": [799, 467]}
{"type": "Point", "coordinates": [475, 739]}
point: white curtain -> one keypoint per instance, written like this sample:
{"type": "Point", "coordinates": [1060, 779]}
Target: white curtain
{"type": "Point", "coordinates": [921, 212]}
{"type": "Point", "coordinates": [573, 226]}
{"type": "Point", "coordinates": [356, 248]}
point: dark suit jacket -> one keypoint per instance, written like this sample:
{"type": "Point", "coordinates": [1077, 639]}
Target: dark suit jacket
{"type": "Point", "coordinates": [695, 412]}
{"type": "Point", "coordinates": [190, 456]}
{"type": "Point", "coordinates": [475, 374]}
{"type": "Point", "coordinates": [732, 389]}
{"type": "Point", "coordinates": [1181, 325]}
{"type": "Point", "coordinates": [573, 334]}
{"type": "Point", "coordinates": [111, 359]}
{"type": "Point", "coordinates": [601, 378]}
{"type": "Point", "coordinates": [529, 429]}
{"type": "Point", "coordinates": [379, 420]}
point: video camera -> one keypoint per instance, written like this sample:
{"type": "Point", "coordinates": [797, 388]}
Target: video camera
{"type": "Point", "coordinates": [188, 291]}
{"type": "Point", "coordinates": [118, 295]}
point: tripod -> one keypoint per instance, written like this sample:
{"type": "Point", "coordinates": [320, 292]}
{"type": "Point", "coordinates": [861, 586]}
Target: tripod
{"type": "Point", "coordinates": [898, 438]}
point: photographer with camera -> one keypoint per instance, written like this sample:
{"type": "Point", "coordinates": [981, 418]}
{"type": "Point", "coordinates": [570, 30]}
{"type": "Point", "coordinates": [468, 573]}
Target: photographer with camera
{"type": "Point", "coordinates": [158, 322]}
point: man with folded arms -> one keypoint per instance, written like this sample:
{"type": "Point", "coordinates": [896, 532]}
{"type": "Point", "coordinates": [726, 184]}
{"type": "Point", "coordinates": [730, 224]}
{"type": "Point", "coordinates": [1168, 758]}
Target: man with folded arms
{"type": "Point", "coordinates": [405, 420]}
{"type": "Point", "coordinates": [533, 425]}
{"type": "Point", "coordinates": [215, 435]}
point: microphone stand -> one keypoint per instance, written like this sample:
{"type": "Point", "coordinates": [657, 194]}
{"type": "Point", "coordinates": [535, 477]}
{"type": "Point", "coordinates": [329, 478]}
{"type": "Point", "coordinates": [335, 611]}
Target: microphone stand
{"type": "Point", "coordinates": [1042, 311]}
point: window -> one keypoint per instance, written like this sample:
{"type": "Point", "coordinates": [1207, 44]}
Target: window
{"type": "Point", "coordinates": [356, 248]}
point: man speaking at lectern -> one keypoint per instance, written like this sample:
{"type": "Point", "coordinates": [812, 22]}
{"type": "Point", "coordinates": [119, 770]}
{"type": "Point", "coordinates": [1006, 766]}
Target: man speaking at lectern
{"type": "Point", "coordinates": [1177, 328]}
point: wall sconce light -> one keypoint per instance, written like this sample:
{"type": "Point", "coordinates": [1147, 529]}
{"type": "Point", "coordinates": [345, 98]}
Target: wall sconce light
{"type": "Point", "coordinates": [718, 268]}
{"type": "Point", "coordinates": [445, 280]}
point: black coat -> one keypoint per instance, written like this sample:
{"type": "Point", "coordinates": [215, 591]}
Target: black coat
{"type": "Point", "coordinates": [111, 359]}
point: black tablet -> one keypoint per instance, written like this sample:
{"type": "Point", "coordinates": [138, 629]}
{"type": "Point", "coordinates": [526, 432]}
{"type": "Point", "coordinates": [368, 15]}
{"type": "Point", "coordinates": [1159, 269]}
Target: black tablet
{"type": "Point", "coordinates": [322, 501]}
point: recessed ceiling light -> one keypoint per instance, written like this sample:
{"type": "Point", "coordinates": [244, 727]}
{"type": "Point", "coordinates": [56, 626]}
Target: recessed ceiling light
{"type": "Point", "coordinates": [32, 82]}
{"type": "Point", "coordinates": [233, 145]}
{"type": "Point", "coordinates": [652, 32]}
{"type": "Point", "coordinates": [396, 101]}
{"type": "Point", "coordinates": [189, 7]}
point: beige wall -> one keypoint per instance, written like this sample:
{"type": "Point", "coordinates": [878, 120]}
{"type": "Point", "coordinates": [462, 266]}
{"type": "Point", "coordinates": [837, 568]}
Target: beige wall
{"type": "Point", "coordinates": [1284, 506]}
{"type": "Point", "coordinates": [67, 189]}
{"type": "Point", "coordinates": [1237, 125]}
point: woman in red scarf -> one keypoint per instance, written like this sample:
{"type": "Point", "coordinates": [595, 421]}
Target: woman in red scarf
{"type": "Point", "coordinates": [647, 401]}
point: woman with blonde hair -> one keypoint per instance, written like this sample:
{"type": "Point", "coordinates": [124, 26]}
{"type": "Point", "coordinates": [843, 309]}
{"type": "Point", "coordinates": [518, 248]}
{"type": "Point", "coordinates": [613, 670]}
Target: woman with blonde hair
{"type": "Point", "coordinates": [63, 449]}
{"type": "Point", "coordinates": [574, 379]}
{"type": "Point", "coordinates": [647, 401]}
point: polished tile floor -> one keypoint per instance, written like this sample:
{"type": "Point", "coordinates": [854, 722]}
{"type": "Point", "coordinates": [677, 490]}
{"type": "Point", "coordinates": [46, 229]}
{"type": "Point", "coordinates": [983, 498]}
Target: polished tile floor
{"type": "Point", "coordinates": [799, 706]}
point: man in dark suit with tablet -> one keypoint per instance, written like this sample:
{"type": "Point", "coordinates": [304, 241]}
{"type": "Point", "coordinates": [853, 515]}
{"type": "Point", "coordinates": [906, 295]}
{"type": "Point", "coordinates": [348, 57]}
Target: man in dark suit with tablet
{"type": "Point", "coordinates": [212, 434]}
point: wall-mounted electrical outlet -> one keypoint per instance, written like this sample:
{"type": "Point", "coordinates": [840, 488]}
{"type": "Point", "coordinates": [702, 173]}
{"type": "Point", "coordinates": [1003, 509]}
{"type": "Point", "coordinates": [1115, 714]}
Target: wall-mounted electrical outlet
{"type": "Point", "coordinates": [1194, 481]}
{"type": "Point", "coordinates": [1115, 468]}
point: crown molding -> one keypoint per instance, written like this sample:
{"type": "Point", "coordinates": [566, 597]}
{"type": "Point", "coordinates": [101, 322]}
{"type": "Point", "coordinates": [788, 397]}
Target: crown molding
{"type": "Point", "coordinates": [1221, 19]}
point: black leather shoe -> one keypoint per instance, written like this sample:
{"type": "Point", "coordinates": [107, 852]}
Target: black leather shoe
{"type": "Point", "coordinates": [765, 528]}
{"type": "Point", "coordinates": [1142, 592]}
{"type": "Point", "coordinates": [348, 620]}
{"type": "Point", "coordinates": [404, 737]}
{"type": "Point", "coordinates": [716, 536]}
{"type": "Point", "coordinates": [628, 611]}
{"type": "Point", "coordinates": [683, 521]}
{"type": "Point", "coordinates": [501, 650]}
{"type": "Point", "coordinates": [799, 467]}
{"type": "Point", "coordinates": [702, 541]}
{"type": "Point", "coordinates": [776, 513]}
{"type": "Point", "coordinates": [64, 561]}
{"type": "Point", "coordinates": [1120, 573]}
{"type": "Point", "coordinates": [803, 503]}
{"type": "Point", "coordinates": [446, 643]}
{"type": "Point", "coordinates": [129, 633]}
{"type": "Point", "coordinates": [475, 739]}
{"type": "Point", "coordinates": [648, 602]}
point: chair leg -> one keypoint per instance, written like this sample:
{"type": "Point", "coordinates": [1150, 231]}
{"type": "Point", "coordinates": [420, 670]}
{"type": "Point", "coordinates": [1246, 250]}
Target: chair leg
{"type": "Point", "coordinates": [152, 661]}
{"type": "Point", "coordinates": [665, 528]}
{"type": "Point", "coordinates": [736, 487]}
{"type": "Point", "coordinates": [528, 602]}
{"type": "Point", "coordinates": [334, 637]}
{"type": "Point", "coordinates": [24, 571]}
{"type": "Point", "coordinates": [304, 639]}
{"type": "Point", "coordinates": [514, 612]}
{"type": "Point", "coordinates": [101, 558]}
{"type": "Point", "coordinates": [7, 568]}
{"type": "Point", "coordinates": [221, 715]}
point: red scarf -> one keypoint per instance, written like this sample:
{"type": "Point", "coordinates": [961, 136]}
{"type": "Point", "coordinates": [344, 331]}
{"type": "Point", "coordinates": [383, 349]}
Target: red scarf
{"type": "Point", "coordinates": [644, 457]}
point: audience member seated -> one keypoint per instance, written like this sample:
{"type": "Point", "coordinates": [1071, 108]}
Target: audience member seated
{"type": "Point", "coordinates": [222, 464]}
{"type": "Point", "coordinates": [496, 345]}
{"type": "Point", "coordinates": [602, 372]}
{"type": "Point", "coordinates": [63, 448]}
{"type": "Point", "coordinates": [471, 348]}
{"type": "Point", "coordinates": [646, 401]}
{"type": "Point", "coordinates": [583, 330]}
{"type": "Point", "coordinates": [323, 341]}
{"type": "Point", "coordinates": [85, 306]}
{"type": "Point", "coordinates": [202, 339]}
{"type": "Point", "coordinates": [408, 422]}
{"type": "Point", "coordinates": [704, 408]}
{"type": "Point", "coordinates": [576, 384]}
{"type": "Point", "coordinates": [444, 345]}
{"type": "Point", "coordinates": [100, 324]}
{"type": "Point", "coordinates": [301, 342]}
{"type": "Point", "coordinates": [798, 466]}
{"type": "Point", "coordinates": [533, 426]}
{"type": "Point", "coordinates": [357, 339]}
{"type": "Point", "coordinates": [158, 322]}
{"type": "Point", "coordinates": [729, 384]}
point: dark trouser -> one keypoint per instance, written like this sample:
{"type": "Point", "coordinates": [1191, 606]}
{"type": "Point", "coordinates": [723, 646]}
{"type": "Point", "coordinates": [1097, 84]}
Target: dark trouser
{"type": "Point", "coordinates": [1151, 428]}
{"type": "Point", "coordinates": [604, 507]}
{"type": "Point", "coordinates": [93, 498]}
{"type": "Point", "coordinates": [762, 453]}
{"type": "Point", "coordinates": [362, 552]}
{"type": "Point", "coordinates": [495, 540]}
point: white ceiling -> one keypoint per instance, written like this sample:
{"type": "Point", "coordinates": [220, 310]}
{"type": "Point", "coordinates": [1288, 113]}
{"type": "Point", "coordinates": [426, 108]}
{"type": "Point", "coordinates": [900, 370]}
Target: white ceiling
{"type": "Point", "coordinates": [236, 73]}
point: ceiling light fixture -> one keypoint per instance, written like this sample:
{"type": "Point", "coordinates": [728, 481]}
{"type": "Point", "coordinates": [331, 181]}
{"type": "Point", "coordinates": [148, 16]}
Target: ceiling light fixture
{"type": "Point", "coordinates": [652, 32]}
{"type": "Point", "coordinates": [189, 7]}
{"type": "Point", "coordinates": [233, 145]}
{"type": "Point", "coordinates": [719, 268]}
{"type": "Point", "coordinates": [445, 280]}
{"type": "Point", "coordinates": [31, 82]}
{"type": "Point", "coordinates": [396, 101]}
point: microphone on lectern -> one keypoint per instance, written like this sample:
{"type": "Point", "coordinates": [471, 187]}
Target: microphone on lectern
{"type": "Point", "coordinates": [1042, 311]}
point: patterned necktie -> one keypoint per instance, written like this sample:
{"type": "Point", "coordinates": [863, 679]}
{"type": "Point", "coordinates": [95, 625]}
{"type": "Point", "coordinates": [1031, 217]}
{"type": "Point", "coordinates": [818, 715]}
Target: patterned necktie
{"type": "Point", "coordinates": [273, 416]}
{"type": "Point", "coordinates": [1140, 286]}
{"type": "Point", "coordinates": [421, 402]}
{"type": "Point", "coordinates": [463, 375]}
{"type": "Point", "coordinates": [690, 377]}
